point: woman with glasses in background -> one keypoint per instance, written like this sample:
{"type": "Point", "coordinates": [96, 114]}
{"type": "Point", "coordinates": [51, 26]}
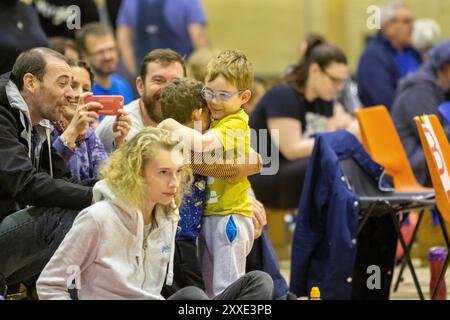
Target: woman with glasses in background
{"type": "Point", "coordinates": [301, 105]}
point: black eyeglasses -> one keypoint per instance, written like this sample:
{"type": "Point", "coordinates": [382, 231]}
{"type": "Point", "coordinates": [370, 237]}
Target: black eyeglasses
{"type": "Point", "coordinates": [336, 81]}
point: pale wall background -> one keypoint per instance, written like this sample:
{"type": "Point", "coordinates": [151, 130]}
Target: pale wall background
{"type": "Point", "coordinates": [270, 31]}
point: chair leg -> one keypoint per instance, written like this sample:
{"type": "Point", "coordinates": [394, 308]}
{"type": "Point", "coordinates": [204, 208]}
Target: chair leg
{"type": "Point", "coordinates": [444, 267]}
{"type": "Point", "coordinates": [406, 254]}
{"type": "Point", "coordinates": [366, 217]}
{"type": "Point", "coordinates": [402, 268]}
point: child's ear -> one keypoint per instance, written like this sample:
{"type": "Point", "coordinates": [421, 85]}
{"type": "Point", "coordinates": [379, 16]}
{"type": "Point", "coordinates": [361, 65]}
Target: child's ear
{"type": "Point", "coordinates": [197, 114]}
{"type": "Point", "coordinates": [245, 97]}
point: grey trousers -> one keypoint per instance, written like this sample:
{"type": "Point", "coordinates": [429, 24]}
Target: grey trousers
{"type": "Point", "coordinates": [255, 285]}
{"type": "Point", "coordinates": [28, 239]}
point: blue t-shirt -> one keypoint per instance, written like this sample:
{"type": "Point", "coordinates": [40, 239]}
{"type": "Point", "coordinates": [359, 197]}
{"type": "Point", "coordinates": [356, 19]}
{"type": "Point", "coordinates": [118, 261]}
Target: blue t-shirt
{"type": "Point", "coordinates": [119, 86]}
{"type": "Point", "coordinates": [406, 61]}
{"type": "Point", "coordinates": [191, 210]}
{"type": "Point", "coordinates": [178, 14]}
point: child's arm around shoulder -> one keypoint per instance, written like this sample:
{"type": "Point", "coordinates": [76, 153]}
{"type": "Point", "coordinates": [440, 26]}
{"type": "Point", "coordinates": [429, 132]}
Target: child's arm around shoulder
{"type": "Point", "coordinates": [229, 171]}
{"type": "Point", "coordinates": [196, 141]}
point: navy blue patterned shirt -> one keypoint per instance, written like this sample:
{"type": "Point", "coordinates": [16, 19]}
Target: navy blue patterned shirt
{"type": "Point", "coordinates": [191, 210]}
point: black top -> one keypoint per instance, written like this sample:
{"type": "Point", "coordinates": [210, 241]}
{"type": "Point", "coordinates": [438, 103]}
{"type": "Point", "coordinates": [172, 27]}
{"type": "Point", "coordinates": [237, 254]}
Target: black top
{"type": "Point", "coordinates": [21, 183]}
{"type": "Point", "coordinates": [283, 101]}
{"type": "Point", "coordinates": [20, 30]}
{"type": "Point", "coordinates": [57, 19]}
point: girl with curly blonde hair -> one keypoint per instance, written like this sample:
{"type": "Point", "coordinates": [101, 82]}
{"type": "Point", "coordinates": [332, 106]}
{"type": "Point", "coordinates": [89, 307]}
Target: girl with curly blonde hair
{"type": "Point", "coordinates": [122, 246]}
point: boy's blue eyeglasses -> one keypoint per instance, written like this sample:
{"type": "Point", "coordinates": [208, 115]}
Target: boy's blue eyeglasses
{"type": "Point", "coordinates": [209, 95]}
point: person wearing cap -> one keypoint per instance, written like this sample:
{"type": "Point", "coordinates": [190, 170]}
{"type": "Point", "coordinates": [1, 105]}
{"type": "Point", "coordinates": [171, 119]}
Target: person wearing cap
{"type": "Point", "coordinates": [422, 92]}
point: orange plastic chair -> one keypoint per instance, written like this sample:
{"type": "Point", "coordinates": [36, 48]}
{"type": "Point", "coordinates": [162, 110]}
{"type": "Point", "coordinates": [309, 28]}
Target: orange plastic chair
{"type": "Point", "coordinates": [437, 154]}
{"type": "Point", "coordinates": [381, 141]}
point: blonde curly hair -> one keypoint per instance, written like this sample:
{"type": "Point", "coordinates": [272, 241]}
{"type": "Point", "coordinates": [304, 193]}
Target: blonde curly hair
{"type": "Point", "coordinates": [124, 170]}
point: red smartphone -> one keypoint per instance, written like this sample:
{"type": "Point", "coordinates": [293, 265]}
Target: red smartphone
{"type": "Point", "coordinates": [111, 104]}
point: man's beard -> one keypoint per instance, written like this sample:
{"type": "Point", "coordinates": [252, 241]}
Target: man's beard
{"type": "Point", "coordinates": [100, 72]}
{"type": "Point", "coordinates": [150, 107]}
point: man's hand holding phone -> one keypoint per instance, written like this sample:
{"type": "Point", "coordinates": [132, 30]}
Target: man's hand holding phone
{"type": "Point", "coordinates": [110, 105]}
{"type": "Point", "coordinates": [121, 127]}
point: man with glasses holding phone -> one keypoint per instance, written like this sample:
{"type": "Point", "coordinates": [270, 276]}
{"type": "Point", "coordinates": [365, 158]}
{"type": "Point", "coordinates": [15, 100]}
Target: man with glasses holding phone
{"type": "Point", "coordinates": [388, 57]}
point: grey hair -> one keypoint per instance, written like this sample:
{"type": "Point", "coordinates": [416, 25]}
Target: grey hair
{"type": "Point", "coordinates": [427, 33]}
{"type": "Point", "coordinates": [388, 10]}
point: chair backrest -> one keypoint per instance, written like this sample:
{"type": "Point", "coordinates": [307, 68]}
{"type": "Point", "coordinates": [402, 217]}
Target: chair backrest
{"type": "Point", "coordinates": [437, 154]}
{"type": "Point", "coordinates": [359, 181]}
{"type": "Point", "coordinates": [381, 141]}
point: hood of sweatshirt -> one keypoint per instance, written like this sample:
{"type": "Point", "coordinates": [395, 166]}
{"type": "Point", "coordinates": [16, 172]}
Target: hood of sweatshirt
{"type": "Point", "coordinates": [424, 76]}
{"type": "Point", "coordinates": [102, 191]}
{"type": "Point", "coordinates": [44, 128]}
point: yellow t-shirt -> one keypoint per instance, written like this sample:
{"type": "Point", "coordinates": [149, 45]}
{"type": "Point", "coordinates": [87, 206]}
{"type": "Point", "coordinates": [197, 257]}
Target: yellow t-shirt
{"type": "Point", "coordinates": [223, 197]}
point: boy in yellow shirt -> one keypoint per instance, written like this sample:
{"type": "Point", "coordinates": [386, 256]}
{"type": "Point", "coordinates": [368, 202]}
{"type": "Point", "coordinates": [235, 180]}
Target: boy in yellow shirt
{"type": "Point", "coordinates": [226, 235]}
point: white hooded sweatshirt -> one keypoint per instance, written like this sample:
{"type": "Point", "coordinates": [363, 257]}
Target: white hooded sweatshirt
{"type": "Point", "coordinates": [106, 254]}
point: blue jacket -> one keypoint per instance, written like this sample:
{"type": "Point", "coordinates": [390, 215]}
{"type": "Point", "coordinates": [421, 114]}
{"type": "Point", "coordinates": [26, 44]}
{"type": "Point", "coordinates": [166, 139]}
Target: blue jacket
{"type": "Point", "coordinates": [378, 72]}
{"type": "Point", "coordinates": [324, 243]}
{"type": "Point", "coordinates": [270, 265]}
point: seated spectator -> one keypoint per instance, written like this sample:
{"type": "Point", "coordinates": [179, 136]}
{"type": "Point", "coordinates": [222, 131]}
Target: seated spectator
{"type": "Point", "coordinates": [33, 177]}
{"type": "Point", "coordinates": [421, 93]}
{"type": "Point", "coordinates": [21, 30]}
{"type": "Point", "coordinates": [74, 138]}
{"type": "Point", "coordinates": [66, 46]}
{"type": "Point", "coordinates": [387, 57]}
{"type": "Point", "coordinates": [98, 47]}
{"type": "Point", "coordinates": [426, 34]}
{"type": "Point", "coordinates": [303, 104]}
{"type": "Point", "coordinates": [116, 243]}
{"type": "Point", "coordinates": [348, 96]}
